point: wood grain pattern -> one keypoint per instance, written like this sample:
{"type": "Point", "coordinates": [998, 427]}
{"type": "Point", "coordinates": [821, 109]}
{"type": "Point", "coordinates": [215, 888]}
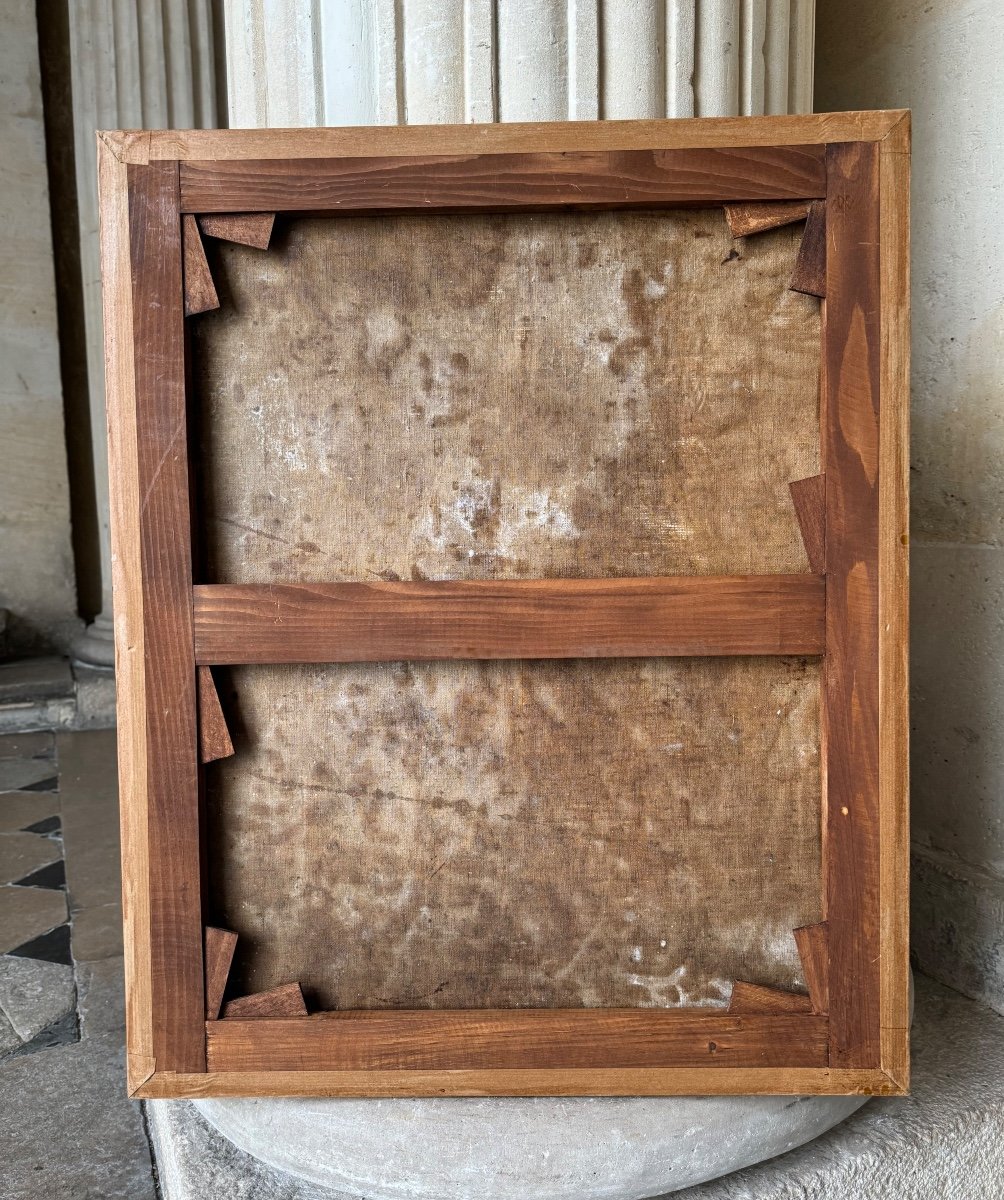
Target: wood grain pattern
{"type": "Point", "coordinates": [809, 499]}
{"type": "Point", "coordinates": [214, 736]}
{"type": "Point", "coordinates": [247, 229]}
{"type": "Point", "coordinates": [219, 946]}
{"type": "Point", "coordinates": [200, 291]}
{"type": "Point", "coordinates": [120, 384]}
{"type": "Point", "coordinates": [566, 618]}
{"type": "Point", "coordinates": [616, 1081]}
{"type": "Point", "coordinates": [814, 950]}
{"type": "Point", "coordinates": [580, 179]}
{"type": "Point", "coordinates": [176, 1000]}
{"type": "Point", "coordinates": [865, 712]}
{"type": "Point", "coordinates": [893, 601]}
{"type": "Point", "coordinates": [851, 668]}
{"type": "Point", "coordinates": [754, 998]}
{"type": "Point", "coordinates": [147, 145]}
{"type": "Point", "coordinates": [284, 1001]}
{"type": "Point", "coordinates": [747, 219]}
{"type": "Point", "coordinates": [472, 1039]}
{"type": "Point", "coordinates": [809, 275]}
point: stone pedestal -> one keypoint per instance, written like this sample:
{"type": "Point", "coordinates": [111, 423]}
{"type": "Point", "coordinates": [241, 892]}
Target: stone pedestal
{"type": "Point", "coordinates": [945, 1139]}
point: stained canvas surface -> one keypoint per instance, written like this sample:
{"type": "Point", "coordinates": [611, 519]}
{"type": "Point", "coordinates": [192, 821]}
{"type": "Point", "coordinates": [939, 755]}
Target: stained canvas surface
{"type": "Point", "coordinates": [512, 397]}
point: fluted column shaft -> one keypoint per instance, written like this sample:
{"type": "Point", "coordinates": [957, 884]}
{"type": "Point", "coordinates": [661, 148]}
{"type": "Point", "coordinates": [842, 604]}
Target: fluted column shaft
{"type": "Point", "coordinates": [135, 64]}
{"type": "Point", "coordinates": [364, 62]}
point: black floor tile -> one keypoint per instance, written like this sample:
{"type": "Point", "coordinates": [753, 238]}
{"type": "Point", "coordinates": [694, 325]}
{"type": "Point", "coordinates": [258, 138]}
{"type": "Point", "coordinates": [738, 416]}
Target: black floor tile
{"type": "Point", "coordinates": [53, 946]}
{"type": "Point", "coordinates": [43, 785]}
{"type": "Point", "coordinates": [63, 1032]}
{"type": "Point", "coordinates": [46, 827]}
{"type": "Point", "coordinates": [52, 875]}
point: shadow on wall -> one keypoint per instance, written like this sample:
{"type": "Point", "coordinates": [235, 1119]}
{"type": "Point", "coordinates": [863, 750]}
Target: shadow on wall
{"type": "Point", "coordinates": [958, 713]}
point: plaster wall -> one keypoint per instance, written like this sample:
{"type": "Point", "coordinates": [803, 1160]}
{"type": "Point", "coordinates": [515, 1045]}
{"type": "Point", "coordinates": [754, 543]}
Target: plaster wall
{"type": "Point", "coordinates": [943, 60]}
{"type": "Point", "coordinates": [36, 562]}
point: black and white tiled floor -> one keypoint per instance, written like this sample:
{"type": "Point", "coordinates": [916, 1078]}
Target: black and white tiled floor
{"type": "Point", "coordinates": [67, 1129]}
{"type": "Point", "coordinates": [38, 994]}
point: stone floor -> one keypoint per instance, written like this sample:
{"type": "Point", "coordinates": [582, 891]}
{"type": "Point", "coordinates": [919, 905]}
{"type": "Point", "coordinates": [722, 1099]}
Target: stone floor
{"type": "Point", "coordinates": [945, 1141]}
{"type": "Point", "coordinates": [67, 1131]}
{"type": "Point", "coordinates": [53, 693]}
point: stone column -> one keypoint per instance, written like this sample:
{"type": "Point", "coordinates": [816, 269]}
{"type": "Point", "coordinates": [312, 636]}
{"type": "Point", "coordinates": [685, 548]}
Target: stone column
{"type": "Point", "coordinates": [136, 64]}
{"type": "Point", "coordinates": [372, 62]}
{"type": "Point", "coordinates": [37, 598]}
{"type": "Point", "coordinates": [357, 62]}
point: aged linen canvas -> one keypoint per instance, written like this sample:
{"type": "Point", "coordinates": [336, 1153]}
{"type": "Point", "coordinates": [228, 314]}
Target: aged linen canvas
{"type": "Point", "coordinates": [512, 397]}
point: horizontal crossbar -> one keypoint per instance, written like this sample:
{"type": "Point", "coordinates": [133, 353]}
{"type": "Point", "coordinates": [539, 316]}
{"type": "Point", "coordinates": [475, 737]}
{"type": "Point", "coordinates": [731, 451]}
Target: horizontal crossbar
{"type": "Point", "coordinates": [583, 179]}
{"type": "Point", "coordinates": [489, 619]}
{"type": "Point", "coordinates": [487, 1039]}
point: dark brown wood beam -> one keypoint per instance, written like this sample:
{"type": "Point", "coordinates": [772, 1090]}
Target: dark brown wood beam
{"type": "Point", "coordinates": [505, 182]}
{"type": "Point", "coordinates": [546, 618]}
{"type": "Point", "coordinates": [487, 1039]}
{"type": "Point", "coordinates": [851, 710]}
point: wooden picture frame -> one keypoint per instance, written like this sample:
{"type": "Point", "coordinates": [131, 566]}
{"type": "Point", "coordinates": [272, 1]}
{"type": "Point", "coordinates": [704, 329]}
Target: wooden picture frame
{"type": "Point", "coordinates": [849, 172]}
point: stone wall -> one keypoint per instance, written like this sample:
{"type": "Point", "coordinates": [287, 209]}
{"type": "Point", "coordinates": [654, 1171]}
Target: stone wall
{"type": "Point", "coordinates": [36, 560]}
{"type": "Point", "coordinates": [943, 61]}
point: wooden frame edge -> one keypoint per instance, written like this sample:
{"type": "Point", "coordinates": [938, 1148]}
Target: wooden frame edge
{"type": "Point", "coordinates": [852, 331]}
{"type": "Point", "coordinates": [143, 146]}
{"type": "Point", "coordinates": [147, 406]}
{"type": "Point", "coordinates": [894, 564]}
{"type": "Point", "coordinates": [129, 642]}
{"type": "Point", "coordinates": [669, 1081]}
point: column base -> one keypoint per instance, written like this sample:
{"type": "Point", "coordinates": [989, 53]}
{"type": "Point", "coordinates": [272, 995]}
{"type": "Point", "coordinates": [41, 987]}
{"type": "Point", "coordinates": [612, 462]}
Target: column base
{"type": "Point", "coordinates": [950, 1128]}
{"type": "Point", "coordinates": [95, 647]}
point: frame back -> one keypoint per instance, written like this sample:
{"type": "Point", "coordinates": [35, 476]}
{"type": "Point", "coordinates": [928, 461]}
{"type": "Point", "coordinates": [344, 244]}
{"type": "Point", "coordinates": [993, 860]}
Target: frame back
{"type": "Point", "coordinates": [550, 543]}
